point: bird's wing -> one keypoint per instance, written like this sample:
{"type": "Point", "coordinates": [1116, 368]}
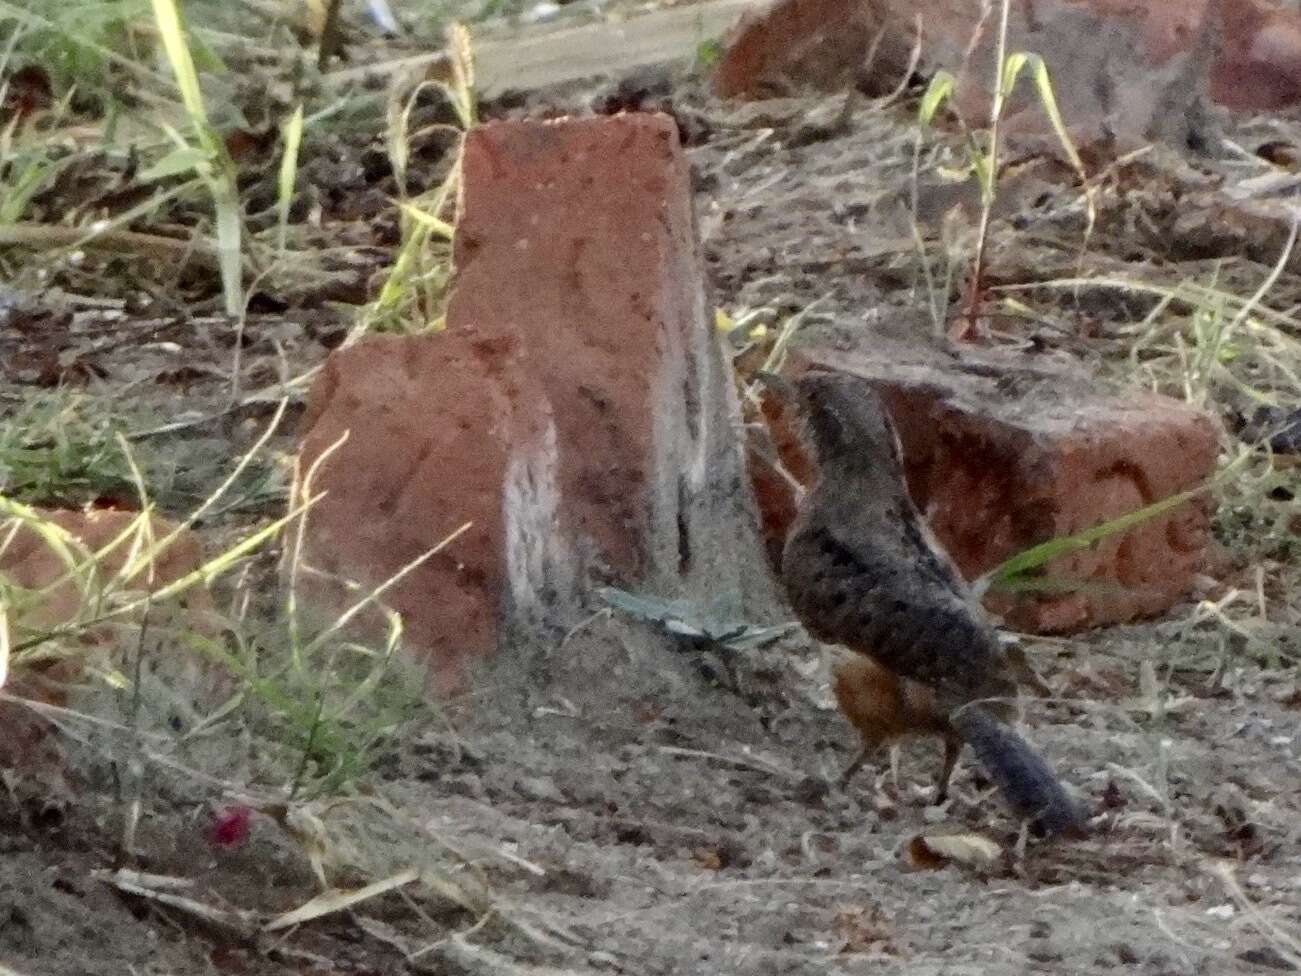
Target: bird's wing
{"type": "Point", "coordinates": [896, 607]}
{"type": "Point", "coordinates": [932, 561]}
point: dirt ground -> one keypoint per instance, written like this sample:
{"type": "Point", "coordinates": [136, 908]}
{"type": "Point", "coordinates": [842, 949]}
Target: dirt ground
{"type": "Point", "coordinates": [633, 814]}
{"type": "Point", "coordinates": [635, 805]}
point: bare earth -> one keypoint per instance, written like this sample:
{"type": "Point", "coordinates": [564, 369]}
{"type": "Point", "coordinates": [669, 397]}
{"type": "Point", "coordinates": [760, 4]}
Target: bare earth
{"type": "Point", "coordinates": [639, 807]}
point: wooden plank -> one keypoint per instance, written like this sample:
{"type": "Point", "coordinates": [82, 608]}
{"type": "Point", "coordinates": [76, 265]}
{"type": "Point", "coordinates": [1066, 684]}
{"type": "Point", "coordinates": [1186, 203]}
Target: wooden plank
{"type": "Point", "coordinates": [541, 57]}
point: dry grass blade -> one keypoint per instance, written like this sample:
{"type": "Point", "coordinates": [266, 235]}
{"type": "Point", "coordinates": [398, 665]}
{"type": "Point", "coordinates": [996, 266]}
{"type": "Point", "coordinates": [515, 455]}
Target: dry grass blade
{"type": "Point", "coordinates": [987, 167]}
{"type": "Point", "coordinates": [335, 900]}
{"type": "Point", "coordinates": [153, 246]}
{"type": "Point", "coordinates": [1284, 942]}
{"type": "Point", "coordinates": [744, 762]}
{"type": "Point", "coordinates": [461, 88]}
{"type": "Point", "coordinates": [163, 889]}
{"type": "Point", "coordinates": [371, 598]}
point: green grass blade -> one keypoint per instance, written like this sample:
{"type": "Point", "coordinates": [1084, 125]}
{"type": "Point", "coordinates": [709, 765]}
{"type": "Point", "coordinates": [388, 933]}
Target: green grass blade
{"type": "Point", "coordinates": [435, 224]}
{"type": "Point", "coordinates": [168, 19]}
{"type": "Point", "coordinates": [939, 91]}
{"type": "Point", "coordinates": [288, 174]}
{"type": "Point", "coordinates": [1047, 97]}
{"type": "Point", "coordinates": [1036, 556]}
{"type": "Point", "coordinates": [182, 159]}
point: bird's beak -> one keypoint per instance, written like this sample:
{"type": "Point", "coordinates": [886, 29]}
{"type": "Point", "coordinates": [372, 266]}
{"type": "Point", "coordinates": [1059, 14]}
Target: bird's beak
{"type": "Point", "coordinates": [780, 386]}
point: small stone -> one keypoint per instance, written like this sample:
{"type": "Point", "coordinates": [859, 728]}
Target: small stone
{"type": "Point", "coordinates": [539, 788]}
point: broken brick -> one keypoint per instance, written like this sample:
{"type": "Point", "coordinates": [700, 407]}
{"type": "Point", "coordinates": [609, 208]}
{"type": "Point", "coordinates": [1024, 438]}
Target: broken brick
{"type": "Point", "coordinates": [575, 409]}
{"type": "Point", "coordinates": [823, 43]}
{"type": "Point", "coordinates": [28, 561]}
{"type": "Point", "coordinates": [996, 473]}
{"type": "Point", "coordinates": [1133, 70]}
{"type": "Point", "coordinates": [423, 428]}
{"type": "Point", "coordinates": [104, 540]}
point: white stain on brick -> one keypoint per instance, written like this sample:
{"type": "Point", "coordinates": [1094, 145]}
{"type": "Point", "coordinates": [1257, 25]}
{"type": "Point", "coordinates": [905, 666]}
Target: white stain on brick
{"type": "Point", "coordinates": [539, 570]}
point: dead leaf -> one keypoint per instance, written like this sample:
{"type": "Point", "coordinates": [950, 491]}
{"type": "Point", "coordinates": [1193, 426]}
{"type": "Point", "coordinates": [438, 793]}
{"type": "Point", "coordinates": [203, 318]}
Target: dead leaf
{"type": "Point", "coordinates": [708, 858]}
{"type": "Point", "coordinates": [28, 90]}
{"type": "Point", "coordinates": [1282, 154]}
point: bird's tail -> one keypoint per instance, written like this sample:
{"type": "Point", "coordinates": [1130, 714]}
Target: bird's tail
{"type": "Point", "coordinates": [1021, 774]}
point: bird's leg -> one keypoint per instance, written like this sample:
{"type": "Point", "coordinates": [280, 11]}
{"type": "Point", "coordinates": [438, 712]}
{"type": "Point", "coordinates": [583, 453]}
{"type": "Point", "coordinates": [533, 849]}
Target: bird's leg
{"type": "Point", "coordinates": [854, 766]}
{"type": "Point", "coordinates": [952, 748]}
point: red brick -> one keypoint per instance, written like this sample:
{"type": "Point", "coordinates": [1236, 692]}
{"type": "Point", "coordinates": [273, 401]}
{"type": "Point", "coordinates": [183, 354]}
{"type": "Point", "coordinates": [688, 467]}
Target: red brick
{"type": "Point", "coordinates": [998, 474]}
{"type": "Point", "coordinates": [819, 42]}
{"type": "Point", "coordinates": [1259, 68]}
{"type": "Point", "coordinates": [28, 561]}
{"type": "Point", "coordinates": [1134, 65]}
{"type": "Point", "coordinates": [578, 237]}
{"type": "Point", "coordinates": [576, 408]}
{"type": "Point", "coordinates": [433, 424]}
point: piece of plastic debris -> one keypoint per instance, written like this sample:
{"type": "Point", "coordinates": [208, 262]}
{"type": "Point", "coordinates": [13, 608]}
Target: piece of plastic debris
{"type": "Point", "coordinates": [230, 827]}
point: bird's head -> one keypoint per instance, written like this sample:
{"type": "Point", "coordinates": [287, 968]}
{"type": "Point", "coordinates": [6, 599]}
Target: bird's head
{"type": "Point", "coordinates": [845, 418]}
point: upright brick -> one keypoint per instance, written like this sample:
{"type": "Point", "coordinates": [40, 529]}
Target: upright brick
{"type": "Point", "coordinates": [576, 408]}
{"type": "Point", "coordinates": [578, 237]}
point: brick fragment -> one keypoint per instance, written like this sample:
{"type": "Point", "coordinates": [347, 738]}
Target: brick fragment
{"type": "Point", "coordinates": [27, 560]}
{"type": "Point", "coordinates": [823, 43]}
{"type": "Point", "coordinates": [1134, 69]}
{"type": "Point", "coordinates": [103, 539]}
{"type": "Point", "coordinates": [417, 435]}
{"type": "Point", "coordinates": [996, 473]}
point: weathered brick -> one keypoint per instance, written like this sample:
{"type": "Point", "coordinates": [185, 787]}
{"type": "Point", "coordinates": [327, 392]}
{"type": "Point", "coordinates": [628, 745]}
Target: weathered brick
{"type": "Point", "coordinates": [814, 42]}
{"type": "Point", "coordinates": [1000, 459]}
{"type": "Point", "coordinates": [27, 560]}
{"type": "Point", "coordinates": [578, 236]}
{"type": "Point", "coordinates": [576, 408]}
{"type": "Point", "coordinates": [431, 427]}
{"type": "Point", "coordinates": [1134, 68]}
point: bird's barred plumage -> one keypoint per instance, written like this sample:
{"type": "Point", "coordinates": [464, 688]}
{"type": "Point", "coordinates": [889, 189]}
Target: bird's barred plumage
{"type": "Point", "coordinates": [861, 569]}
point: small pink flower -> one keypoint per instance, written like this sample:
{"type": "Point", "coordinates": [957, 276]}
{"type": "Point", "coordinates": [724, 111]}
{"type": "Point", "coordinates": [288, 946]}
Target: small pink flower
{"type": "Point", "coordinates": [229, 828]}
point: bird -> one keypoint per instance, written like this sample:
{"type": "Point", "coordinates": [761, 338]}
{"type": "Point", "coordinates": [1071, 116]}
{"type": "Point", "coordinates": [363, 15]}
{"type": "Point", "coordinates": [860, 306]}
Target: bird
{"type": "Point", "coordinates": [862, 569]}
{"type": "Point", "coordinates": [884, 707]}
